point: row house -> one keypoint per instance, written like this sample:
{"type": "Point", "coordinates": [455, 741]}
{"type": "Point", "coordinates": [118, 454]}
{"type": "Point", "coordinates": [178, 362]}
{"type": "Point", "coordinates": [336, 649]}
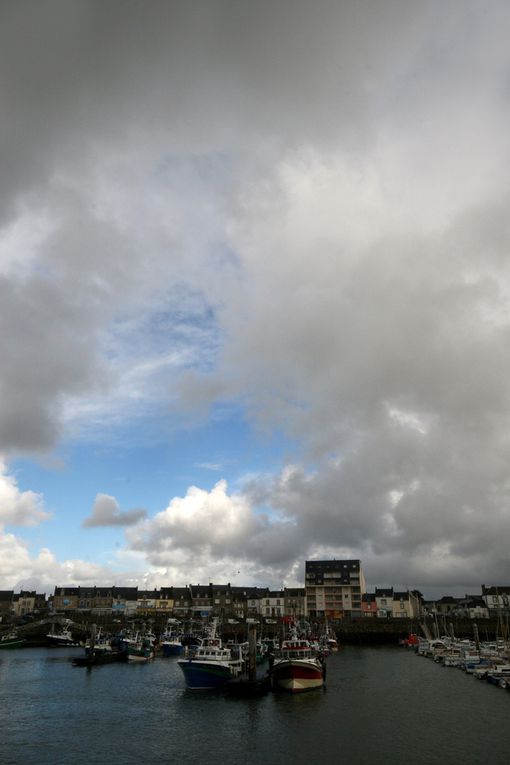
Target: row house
{"type": "Point", "coordinates": [295, 603]}
{"type": "Point", "coordinates": [446, 606]}
{"type": "Point", "coordinates": [384, 601]}
{"type": "Point", "coordinates": [496, 599]}
{"type": "Point", "coordinates": [96, 600]}
{"type": "Point", "coordinates": [155, 602]}
{"type": "Point", "coordinates": [201, 600]}
{"type": "Point", "coordinates": [28, 602]}
{"type": "Point", "coordinates": [65, 599]}
{"type": "Point", "coordinates": [247, 601]}
{"type": "Point", "coordinates": [334, 588]}
{"type": "Point", "coordinates": [368, 604]}
{"type": "Point", "coordinates": [182, 602]}
{"type": "Point", "coordinates": [272, 604]}
{"type": "Point", "coordinates": [406, 605]}
{"type": "Point", "coordinates": [472, 607]}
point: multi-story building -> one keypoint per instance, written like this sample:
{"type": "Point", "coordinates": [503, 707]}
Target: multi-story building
{"type": "Point", "coordinates": [95, 600]}
{"type": "Point", "coordinates": [182, 602]}
{"type": "Point", "coordinates": [384, 601]}
{"type": "Point", "coordinates": [369, 604]}
{"type": "Point", "coordinates": [295, 603]}
{"type": "Point", "coordinates": [272, 604]}
{"type": "Point", "coordinates": [65, 599]}
{"type": "Point", "coordinates": [124, 600]}
{"type": "Point", "coordinates": [496, 599]}
{"type": "Point", "coordinates": [405, 605]}
{"type": "Point", "coordinates": [333, 588]}
{"type": "Point", "coordinates": [26, 602]}
{"type": "Point", "coordinates": [246, 601]}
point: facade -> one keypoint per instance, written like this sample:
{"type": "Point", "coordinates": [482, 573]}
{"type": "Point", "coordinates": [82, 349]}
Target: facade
{"type": "Point", "coordinates": [124, 600]}
{"type": "Point", "coordinates": [447, 605]}
{"type": "Point", "coordinates": [334, 588]}
{"type": "Point", "coordinates": [246, 601]}
{"type": "Point", "coordinates": [182, 602]}
{"type": "Point", "coordinates": [384, 601]}
{"type": "Point", "coordinates": [295, 603]}
{"type": "Point", "coordinates": [369, 604]}
{"type": "Point", "coordinates": [405, 605]}
{"type": "Point", "coordinates": [26, 602]}
{"type": "Point", "coordinates": [496, 599]}
{"type": "Point", "coordinates": [201, 600]}
{"type": "Point", "coordinates": [65, 599]}
{"type": "Point", "coordinates": [273, 605]}
{"type": "Point", "coordinates": [95, 600]}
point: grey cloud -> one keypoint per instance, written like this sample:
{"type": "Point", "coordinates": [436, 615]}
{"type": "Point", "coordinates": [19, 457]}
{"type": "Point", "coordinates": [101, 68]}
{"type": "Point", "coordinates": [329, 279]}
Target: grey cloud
{"type": "Point", "coordinates": [359, 156]}
{"type": "Point", "coordinates": [106, 512]}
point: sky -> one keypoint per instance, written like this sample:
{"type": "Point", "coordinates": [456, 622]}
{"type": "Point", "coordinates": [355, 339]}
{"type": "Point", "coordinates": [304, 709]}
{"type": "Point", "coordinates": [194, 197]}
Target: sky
{"type": "Point", "coordinates": [254, 292]}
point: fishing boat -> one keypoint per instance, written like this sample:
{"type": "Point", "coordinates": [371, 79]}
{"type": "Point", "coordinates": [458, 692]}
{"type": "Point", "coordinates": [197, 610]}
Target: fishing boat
{"type": "Point", "coordinates": [138, 648]}
{"type": "Point", "coordinates": [62, 637]}
{"type": "Point", "coordinates": [170, 642]}
{"type": "Point", "coordinates": [99, 643]}
{"type": "Point", "coordinates": [211, 665]}
{"type": "Point", "coordinates": [11, 640]}
{"type": "Point", "coordinates": [297, 667]}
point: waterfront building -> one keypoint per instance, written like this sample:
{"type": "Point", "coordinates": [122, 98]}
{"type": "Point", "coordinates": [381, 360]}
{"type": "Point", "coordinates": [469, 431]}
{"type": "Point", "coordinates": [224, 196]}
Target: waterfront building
{"type": "Point", "coordinates": [65, 599]}
{"type": "Point", "coordinates": [182, 602]}
{"type": "Point", "coordinates": [273, 603]}
{"type": "Point", "coordinates": [28, 602]}
{"type": "Point", "coordinates": [295, 603]}
{"type": "Point", "coordinates": [246, 601]}
{"type": "Point", "coordinates": [166, 600]}
{"type": "Point", "coordinates": [384, 601]}
{"type": "Point", "coordinates": [95, 600]}
{"type": "Point", "coordinates": [124, 600]}
{"type": "Point", "coordinates": [222, 601]}
{"type": "Point", "coordinates": [496, 599]}
{"type": "Point", "coordinates": [473, 607]}
{"type": "Point", "coordinates": [147, 602]}
{"type": "Point", "coordinates": [333, 588]}
{"type": "Point", "coordinates": [369, 604]}
{"type": "Point", "coordinates": [405, 605]}
{"type": "Point", "coordinates": [201, 600]}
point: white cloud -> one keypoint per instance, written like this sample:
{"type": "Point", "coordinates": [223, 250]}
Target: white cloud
{"type": "Point", "coordinates": [18, 508]}
{"type": "Point", "coordinates": [106, 512]}
{"type": "Point", "coordinates": [19, 569]}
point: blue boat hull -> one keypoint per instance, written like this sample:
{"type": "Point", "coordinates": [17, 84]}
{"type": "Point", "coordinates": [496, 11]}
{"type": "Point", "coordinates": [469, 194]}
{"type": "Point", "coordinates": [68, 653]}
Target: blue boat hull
{"type": "Point", "coordinates": [201, 676]}
{"type": "Point", "coordinates": [171, 650]}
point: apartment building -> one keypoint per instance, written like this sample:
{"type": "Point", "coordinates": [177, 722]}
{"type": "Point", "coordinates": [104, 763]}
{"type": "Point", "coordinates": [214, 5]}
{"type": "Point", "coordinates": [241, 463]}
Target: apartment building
{"type": "Point", "coordinates": [334, 588]}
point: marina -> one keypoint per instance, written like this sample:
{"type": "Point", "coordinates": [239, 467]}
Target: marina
{"type": "Point", "coordinates": [381, 705]}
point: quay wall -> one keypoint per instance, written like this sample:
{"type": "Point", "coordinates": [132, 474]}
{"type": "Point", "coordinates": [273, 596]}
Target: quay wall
{"type": "Point", "coordinates": [366, 631]}
{"type": "Point", "coordinates": [379, 631]}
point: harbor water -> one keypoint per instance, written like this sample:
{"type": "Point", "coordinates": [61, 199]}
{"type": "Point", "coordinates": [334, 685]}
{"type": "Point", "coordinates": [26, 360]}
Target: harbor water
{"type": "Point", "coordinates": [381, 705]}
